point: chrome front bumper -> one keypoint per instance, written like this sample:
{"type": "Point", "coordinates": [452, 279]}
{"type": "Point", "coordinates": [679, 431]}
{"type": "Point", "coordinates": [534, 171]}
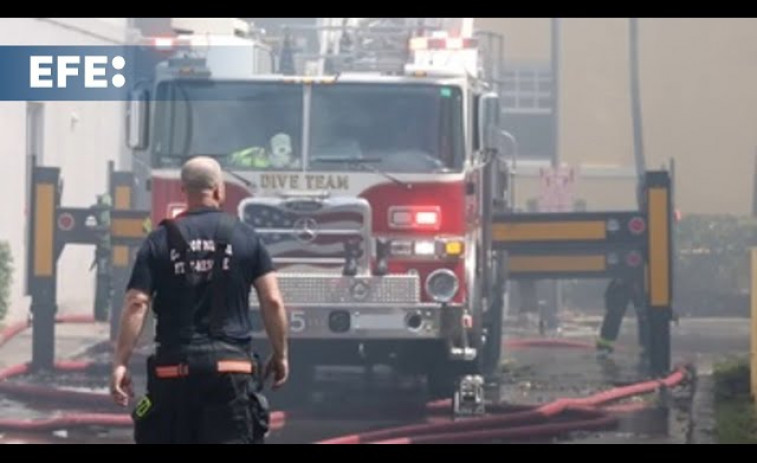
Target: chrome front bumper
{"type": "Point", "coordinates": [330, 306]}
{"type": "Point", "coordinates": [363, 322]}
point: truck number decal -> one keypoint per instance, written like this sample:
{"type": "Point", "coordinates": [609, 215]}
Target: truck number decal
{"type": "Point", "coordinates": [297, 321]}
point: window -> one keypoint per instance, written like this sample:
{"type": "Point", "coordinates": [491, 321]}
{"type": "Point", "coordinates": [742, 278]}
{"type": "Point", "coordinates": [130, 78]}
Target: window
{"type": "Point", "coordinates": [252, 124]}
{"type": "Point", "coordinates": [405, 128]}
{"type": "Point", "coordinates": [528, 108]}
{"type": "Point", "coordinates": [527, 89]}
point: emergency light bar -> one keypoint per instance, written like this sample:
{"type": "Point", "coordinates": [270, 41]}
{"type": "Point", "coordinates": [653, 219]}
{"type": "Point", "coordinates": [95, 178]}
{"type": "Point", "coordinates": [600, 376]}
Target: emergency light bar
{"type": "Point", "coordinates": [446, 43]}
{"type": "Point", "coordinates": [162, 42]}
{"type": "Point", "coordinates": [443, 56]}
{"type": "Point", "coordinates": [167, 44]}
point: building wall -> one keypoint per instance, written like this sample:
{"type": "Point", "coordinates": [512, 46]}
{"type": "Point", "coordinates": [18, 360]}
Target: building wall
{"type": "Point", "coordinates": [526, 39]}
{"type": "Point", "coordinates": [698, 101]}
{"type": "Point", "coordinates": [79, 137]}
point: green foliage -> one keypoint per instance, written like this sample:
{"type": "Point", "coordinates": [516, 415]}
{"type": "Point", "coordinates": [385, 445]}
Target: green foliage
{"type": "Point", "coordinates": [735, 418]}
{"type": "Point", "coordinates": [731, 378]}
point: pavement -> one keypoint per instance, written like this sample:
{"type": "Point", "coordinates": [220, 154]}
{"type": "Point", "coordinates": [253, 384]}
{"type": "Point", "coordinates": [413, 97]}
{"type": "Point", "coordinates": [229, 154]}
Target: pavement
{"type": "Point", "coordinates": [71, 340]}
{"type": "Point", "coordinates": [540, 375]}
{"type": "Point", "coordinates": [530, 376]}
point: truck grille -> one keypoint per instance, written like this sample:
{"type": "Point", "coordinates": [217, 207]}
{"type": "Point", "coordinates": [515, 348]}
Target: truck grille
{"type": "Point", "coordinates": [307, 288]}
{"type": "Point", "coordinates": [321, 232]}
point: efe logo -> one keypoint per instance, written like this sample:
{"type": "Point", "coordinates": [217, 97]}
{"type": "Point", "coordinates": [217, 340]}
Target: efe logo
{"type": "Point", "coordinates": [95, 69]}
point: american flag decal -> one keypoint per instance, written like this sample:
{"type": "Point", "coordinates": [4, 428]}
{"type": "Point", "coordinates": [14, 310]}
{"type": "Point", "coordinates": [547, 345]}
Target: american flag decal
{"type": "Point", "coordinates": [322, 234]}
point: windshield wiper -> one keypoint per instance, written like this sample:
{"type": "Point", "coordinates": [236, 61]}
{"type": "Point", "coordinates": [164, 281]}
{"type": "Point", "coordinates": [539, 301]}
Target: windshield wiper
{"type": "Point", "coordinates": [363, 163]}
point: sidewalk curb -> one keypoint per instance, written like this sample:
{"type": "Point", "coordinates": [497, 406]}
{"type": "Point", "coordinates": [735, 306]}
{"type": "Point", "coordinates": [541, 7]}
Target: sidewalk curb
{"type": "Point", "coordinates": [702, 420]}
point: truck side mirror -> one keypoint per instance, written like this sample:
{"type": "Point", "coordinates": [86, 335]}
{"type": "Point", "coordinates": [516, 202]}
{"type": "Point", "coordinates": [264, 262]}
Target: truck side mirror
{"type": "Point", "coordinates": [488, 121]}
{"type": "Point", "coordinates": [136, 120]}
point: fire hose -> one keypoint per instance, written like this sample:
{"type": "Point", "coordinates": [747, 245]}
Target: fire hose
{"type": "Point", "coordinates": [93, 399]}
{"type": "Point", "coordinates": [19, 327]}
{"type": "Point", "coordinates": [509, 422]}
{"type": "Point", "coordinates": [517, 424]}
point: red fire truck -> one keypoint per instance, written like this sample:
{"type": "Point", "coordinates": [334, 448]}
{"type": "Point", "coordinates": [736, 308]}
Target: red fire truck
{"type": "Point", "coordinates": [370, 190]}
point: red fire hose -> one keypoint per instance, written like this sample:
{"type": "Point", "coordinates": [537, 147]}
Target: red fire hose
{"type": "Point", "coordinates": [548, 343]}
{"type": "Point", "coordinates": [522, 432]}
{"type": "Point", "coordinates": [17, 328]}
{"type": "Point", "coordinates": [481, 428]}
{"type": "Point", "coordinates": [115, 420]}
{"type": "Point", "coordinates": [96, 399]}
{"type": "Point", "coordinates": [71, 420]}
{"type": "Point", "coordinates": [70, 397]}
{"type": "Point", "coordinates": [486, 428]}
{"type": "Point", "coordinates": [528, 343]}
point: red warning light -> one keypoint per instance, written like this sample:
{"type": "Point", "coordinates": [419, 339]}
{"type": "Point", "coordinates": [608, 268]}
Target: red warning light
{"type": "Point", "coordinates": [66, 221]}
{"type": "Point", "coordinates": [633, 259]}
{"type": "Point", "coordinates": [637, 225]}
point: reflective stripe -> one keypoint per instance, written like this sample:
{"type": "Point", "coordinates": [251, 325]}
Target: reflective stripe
{"type": "Point", "coordinates": [172, 371]}
{"type": "Point", "coordinates": [601, 342]}
{"type": "Point", "coordinates": [223, 366]}
{"type": "Point", "coordinates": [234, 366]}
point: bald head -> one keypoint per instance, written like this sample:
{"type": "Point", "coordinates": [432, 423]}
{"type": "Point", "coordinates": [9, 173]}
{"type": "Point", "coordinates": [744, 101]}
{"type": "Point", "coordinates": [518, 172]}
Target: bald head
{"type": "Point", "coordinates": [201, 173]}
{"type": "Point", "coordinates": [202, 181]}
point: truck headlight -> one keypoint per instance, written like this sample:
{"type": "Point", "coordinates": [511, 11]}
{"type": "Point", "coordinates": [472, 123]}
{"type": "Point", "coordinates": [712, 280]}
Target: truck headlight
{"type": "Point", "coordinates": [442, 285]}
{"type": "Point", "coordinates": [425, 248]}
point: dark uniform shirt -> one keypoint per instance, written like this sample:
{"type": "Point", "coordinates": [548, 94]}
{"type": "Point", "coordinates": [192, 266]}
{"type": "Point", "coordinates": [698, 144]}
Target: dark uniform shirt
{"type": "Point", "coordinates": [159, 272]}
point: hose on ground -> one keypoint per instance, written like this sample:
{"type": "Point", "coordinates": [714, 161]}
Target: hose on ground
{"type": "Point", "coordinates": [508, 424]}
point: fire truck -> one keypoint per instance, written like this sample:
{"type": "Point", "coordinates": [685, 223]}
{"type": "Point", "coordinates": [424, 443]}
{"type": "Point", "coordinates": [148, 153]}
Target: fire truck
{"type": "Point", "coordinates": [370, 189]}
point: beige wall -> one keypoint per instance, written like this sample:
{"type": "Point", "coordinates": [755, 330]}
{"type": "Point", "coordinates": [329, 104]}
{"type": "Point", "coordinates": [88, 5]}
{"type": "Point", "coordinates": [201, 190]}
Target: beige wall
{"type": "Point", "coordinates": [526, 39]}
{"type": "Point", "coordinates": [79, 137]}
{"type": "Point", "coordinates": [699, 103]}
{"type": "Point", "coordinates": [699, 80]}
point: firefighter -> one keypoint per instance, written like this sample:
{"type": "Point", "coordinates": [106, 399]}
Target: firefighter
{"type": "Point", "coordinates": [280, 155]}
{"type": "Point", "coordinates": [102, 261]}
{"type": "Point", "coordinates": [203, 381]}
{"type": "Point", "coordinates": [620, 292]}
{"type": "Point", "coordinates": [253, 157]}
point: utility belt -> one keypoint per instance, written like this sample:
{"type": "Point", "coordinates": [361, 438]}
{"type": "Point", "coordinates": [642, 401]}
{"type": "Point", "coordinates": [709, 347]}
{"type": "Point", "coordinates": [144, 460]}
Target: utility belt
{"type": "Point", "coordinates": [153, 417]}
{"type": "Point", "coordinates": [206, 358]}
{"type": "Point", "coordinates": [181, 370]}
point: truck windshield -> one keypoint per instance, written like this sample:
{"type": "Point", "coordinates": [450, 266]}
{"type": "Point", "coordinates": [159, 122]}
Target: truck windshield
{"type": "Point", "coordinates": [402, 128]}
{"type": "Point", "coordinates": [245, 125]}
{"type": "Point", "coordinates": [259, 125]}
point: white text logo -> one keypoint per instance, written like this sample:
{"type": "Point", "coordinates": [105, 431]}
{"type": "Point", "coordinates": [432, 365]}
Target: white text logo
{"type": "Point", "coordinates": [92, 68]}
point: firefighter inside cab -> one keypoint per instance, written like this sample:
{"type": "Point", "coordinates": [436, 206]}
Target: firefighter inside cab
{"type": "Point", "coordinates": [278, 155]}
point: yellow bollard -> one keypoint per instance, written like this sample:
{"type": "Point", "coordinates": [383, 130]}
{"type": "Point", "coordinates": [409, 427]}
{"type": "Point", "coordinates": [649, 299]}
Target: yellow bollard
{"type": "Point", "coordinates": [753, 337]}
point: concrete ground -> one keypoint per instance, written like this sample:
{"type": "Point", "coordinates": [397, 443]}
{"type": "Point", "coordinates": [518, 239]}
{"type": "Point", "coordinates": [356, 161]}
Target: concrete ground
{"type": "Point", "coordinates": [531, 376]}
{"type": "Point", "coordinates": [540, 375]}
